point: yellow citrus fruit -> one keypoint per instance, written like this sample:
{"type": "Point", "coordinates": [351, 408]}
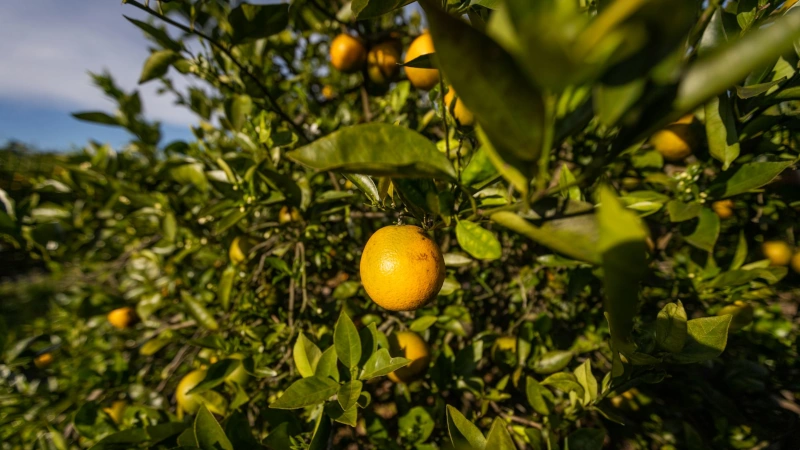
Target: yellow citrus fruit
{"type": "Point", "coordinates": [122, 318]}
{"type": "Point", "coordinates": [460, 112]}
{"type": "Point", "coordinates": [411, 346]}
{"type": "Point", "coordinates": [742, 314]}
{"type": "Point", "coordinates": [239, 375]}
{"type": "Point", "coordinates": [402, 268]}
{"type": "Point", "coordinates": [239, 248]}
{"type": "Point", "coordinates": [189, 403]}
{"type": "Point", "coordinates": [796, 262]}
{"type": "Point", "coordinates": [424, 79]}
{"type": "Point", "coordinates": [347, 53]}
{"type": "Point", "coordinates": [328, 92]}
{"type": "Point", "coordinates": [723, 208]}
{"type": "Point", "coordinates": [43, 360]}
{"type": "Point", "coordinates": [676, 141]}
{"type": "Point", "coordinates": [116, 410]}
{"type": "Point", "coordinates": [286, 215]}
{"type": "Point", "coordinates": [778, 252]}
{"type": "Point", "coordinates": [505, 343]}
{"type": "Point", "coordinates": [382, 62]}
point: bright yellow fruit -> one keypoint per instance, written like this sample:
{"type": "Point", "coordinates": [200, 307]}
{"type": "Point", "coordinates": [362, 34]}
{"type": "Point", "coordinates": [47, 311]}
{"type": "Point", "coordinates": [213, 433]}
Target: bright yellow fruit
{"type": "Point", "coordinates": [463, 116]}
{"type": "Point", "coordinates": [723, 208]}
{"type": "Point", "coordinates": [402, 268]}
{"type": "Point", "coordinates": [382, 62]}
{"type": "Point", "coordinates": [189, 403]}
{"type": "Point", "coordinates": [347, 53]}
{"type": "Point", "coordinates": [286, 215]}
{"type": "Point", "coordinates": [796, 262]}
{"type": "Point", "coordinates": [778, 252]}
{"type": "Point", "coordinates": [122, 318]}
{"type": "Point", "coordinates": [239, 249]}
{"type": "Point", "coordinates": [742, 314]}
{"type": "Point", "coordinates": [411, 346]}
{"type": "Point", "coordinates": [505, 343]}
{"type": "Point", "coordinates": [43, 360]}
{"type": "Point", "coordinates": [676, 141]}
{"type": "Point", "coordinates": [116, 410]}
{"type": "Point", "coordinates": [424, 79]}
{"type": "Point", "coordinates": [328, 92]}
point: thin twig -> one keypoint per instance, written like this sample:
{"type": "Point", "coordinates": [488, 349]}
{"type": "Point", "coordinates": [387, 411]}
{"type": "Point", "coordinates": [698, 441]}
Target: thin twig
{"type": "Point", "coordinates": [511, 418]}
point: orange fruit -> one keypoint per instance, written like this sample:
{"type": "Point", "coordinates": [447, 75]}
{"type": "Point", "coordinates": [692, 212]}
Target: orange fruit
{"type": "Point", "coordinates": [411, 346]}
{"type": "Point", "coordinates": [328, 92]}
{"type": "Point", "coordinates": [402, 268]}
{"type": "Point", "coordinates": [116, 410]}
{"type": "Point", "coordinates": [723, 208]}
{"type": "Point", "coordinates": [286, 215]}
{"type": "Point", "coordinates": [424, 79]}
{"type": "Point", "coordinates": [382, 62]}
{"type": "Point", "coordinates": [43, 360]}
{"type": "Point", "coordinates": [189, 403]}
{"type": "Point", "coordinates": [676, 141]}
{"type": "Point", "coordinates": [778, 252]}
{"type": "Point", "coordinates": [347, 53]}
{"type": "Point", "coordinates": [796, 262]}
{"type": "Point", "coordinates": [463, 116]}
{"type": "Point", "coordinates": [122, 318]}
{"type": "Point", "coordinates": [239, 249]}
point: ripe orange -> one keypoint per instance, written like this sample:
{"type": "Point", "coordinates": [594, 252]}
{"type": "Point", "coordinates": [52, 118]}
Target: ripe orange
{"type": "Point", "coordinates": [410, 345]}
{"type": "Point", "coordinates": [676, 141]}
{"type": "Point", "coordinates": [778, 252]}
{"type": "Point", "coordinates": [189, 403]}
{"type": "Point", "coordinates": [122, 318]}
{"type": "Point", "coordinates": [402, 268]}
{"type": "Point", "coordinates": [286, 215]}
{"type": "Point", "coordinates": [723, 208]}
{"type": "Point", "coordinates": [328, 92]}
{"type": "Point", "coordinates": [43, 360]}
{"type": "Point", "coordinates": [239, 248]}
{"type": "Point", "coordinates": [347, 53]}
{"type": "Point", "coordinates": [382, 62]}
{"type": "Point", "coordinates": [463, 116]}
{"type": "Point", "coordinates": [424, 79]}
{"type": "Point", "coordinates": [796, 262]}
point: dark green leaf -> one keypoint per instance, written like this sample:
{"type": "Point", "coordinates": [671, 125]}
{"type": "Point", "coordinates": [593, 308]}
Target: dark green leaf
{"type": "Point", "coordinates": [363, 149]}
{"type": "Point", "coordinates": [322, 433]}
{"type": "Point", "coordinates": [707, 339]}
{"type": "Point", "coordinates": [209, 433]}
{"type": "Point", "coordinates": [705, 235]}
{"type": "Point", "coordinates": [347, 341]}
{"type": "Point", "coordinates": [97, 117]}
{"type": "Point", "coordinates": [199, 311]}
{"type": "Point", "coordinates": [552, 361]}
{"type": "Point", "coordinates": [159, 34]}
{"type": "Point", "coordinates": [327, 365]}
{"type": "Point", "coordinates": [586, 439]}
{"type": "Point", "coordinates": [216, 375]}
{"type": "Point", "coordinates": [680, 211]}
{"type": "Point", "coordinates": [157, 65]}
{"type": "Point", "coordinates": [368, 9]}
{"type": "Point", "coordinates": [416, 425]}
{"type": "Point", "coordinates": [747, 177]}
{"type": "Point", "coordinates": [463, 433]}
{"type": "Point", "coordinates": [477, 241]}
{"type": "Point", "coordinates": [366, 185]}
{"type": "Point", "coordinates": [252, 22]}
{"type": "Point", "coordinates": [306, 392]}
{"type": "Point", "coordinates": [671, 327]}
{"type": "Point", "coordinates": [479, 169]}
{"type": "Point", "coordinates": [426, 61]}
{"type": "Point", "coordinates": [338, 414]}
{"type": "Point", "coordinates": [498, 437]}
{"type": "Point", "coordinates": [533, 390]}
{"type": "Point", "coordinates": [348, 394]}
{"type": "Point", "coordinates": [237, 108]}
{"type": "Point", "coordinates": [723, 139]}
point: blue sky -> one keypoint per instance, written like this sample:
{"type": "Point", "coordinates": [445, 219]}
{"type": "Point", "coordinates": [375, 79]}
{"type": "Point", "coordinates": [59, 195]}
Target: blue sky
{"type": "Point", "coordinates": [47, 47]}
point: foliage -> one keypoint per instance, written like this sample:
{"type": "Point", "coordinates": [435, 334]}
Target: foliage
{"type": "Point", "coordinates": [562, 229]}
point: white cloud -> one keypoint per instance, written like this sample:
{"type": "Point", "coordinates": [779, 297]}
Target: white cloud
{"type": "Point", "coordinates": [48, 46]}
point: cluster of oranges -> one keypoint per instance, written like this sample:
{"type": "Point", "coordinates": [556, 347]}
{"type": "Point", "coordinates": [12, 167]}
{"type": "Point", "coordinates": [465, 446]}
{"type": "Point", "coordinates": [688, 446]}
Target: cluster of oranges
{"type": "Point", "coordinates": [349, 54]}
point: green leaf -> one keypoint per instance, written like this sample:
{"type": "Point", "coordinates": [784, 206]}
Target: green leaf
{"type": "Point", "coordinates": [199, 311]}
{"type": "Point", "coordinates": [463, 433]}
{"type": "Point", "coordinates": [158, 34]}
{"type": "Point", "coordinates": [327, 365]}
{"type": "Point", "coordinates": [745, 275]}
{"type": "Point", "coordinates": [322, 432]}
{"type": "Point", "coordinates": [512, 169]}
{"type": "Point", "coordinates": [345, 416]}
{"type": "Point", "coordinates": [416, 425]}
{"type": "Point", "coordinates": [369, 337]}
{"type": "Point", "coordinates": [252, 22]}
{"type": "Point", "coordinates": [363, 149]}
{"type": "Point", "coordinates": [97, 117]}
{"type": "Point", "coordinates": [280, 437]}
{"type": "Point", "coordinates": [479, 169]}
{"type": "Point", "coordinates": [225, 286]}
{"type": "Point", "coordinates": [477, 241]}
{"type": "Point", "coordinates": [420, 195]}
{"type": "Point", "coordinates": [613, 101]}
{"type": "Point", "coordinates": [623, 249]}
{"type": "Point", "coordinates": [741, 252]}
{"type": "Point", "coordinates": [552, 361]}
{"type": "Point", "coordinates": [237, 108]}
{"type": "Point", "coordinates": [565, 382]}
{"type": "Point", "coordinates": [347, 341]}
{"type": "Point", "coordinates": [671, 327]}
{"type": "Point", "coordinates": [498, 437]}
{"type": "Point", "coordinates": [369, 9]}
{"type": "Point", "coordinates": [237, 428]}
{"type": "Point", "coordinates": [157, 65]}
{"type": "Point", "coordinates": [723, 139]}
{"type": "Point", "coordinates": [746, 177]}
{"type": "Point", "coordinates": [586, 439]}
{"type": "Point", "coordinates": [571, 230]}
{"type": "Point", "coordinates": [426, 61]}
{"type": "Point", "coordinates": [705, 235]}
{"type": "Point", "coordinates": [566, 178]}
{"type": "Point", "coordinates": [713, 75]}
{"type": "Point", "coordinates": [381, 363]}
{"type": "Point", "coordinates": [586, 379]}
{"type": "Point", "coordinates": [491, 84]}
{"type": "Point", "coordinates": [209, 433]}
{"type": "Point", "coordinates": [366, 185]}
{"type": "Point", "coordinates": [306, 356]}
{"type": "Point", "coordinates": [422, 323]}
{"type": "Point", "coordinates": [681, 211]}
{"type": "Point", "coordinates": [348, 394]}
{"type": "Point", "coordinates": [216, 375]}
{"type": "Point", "coordinates": [533, 390]}
{"type": "Point", "coordinates": [306, 392]}
{"type": "Point", "coordinates": [188, 439]}
{"type": "Point", "coordinates": [707, 339]}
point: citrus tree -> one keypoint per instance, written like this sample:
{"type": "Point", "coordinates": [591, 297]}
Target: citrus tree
{"type": "Point", "coordinates": [486, 224]}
